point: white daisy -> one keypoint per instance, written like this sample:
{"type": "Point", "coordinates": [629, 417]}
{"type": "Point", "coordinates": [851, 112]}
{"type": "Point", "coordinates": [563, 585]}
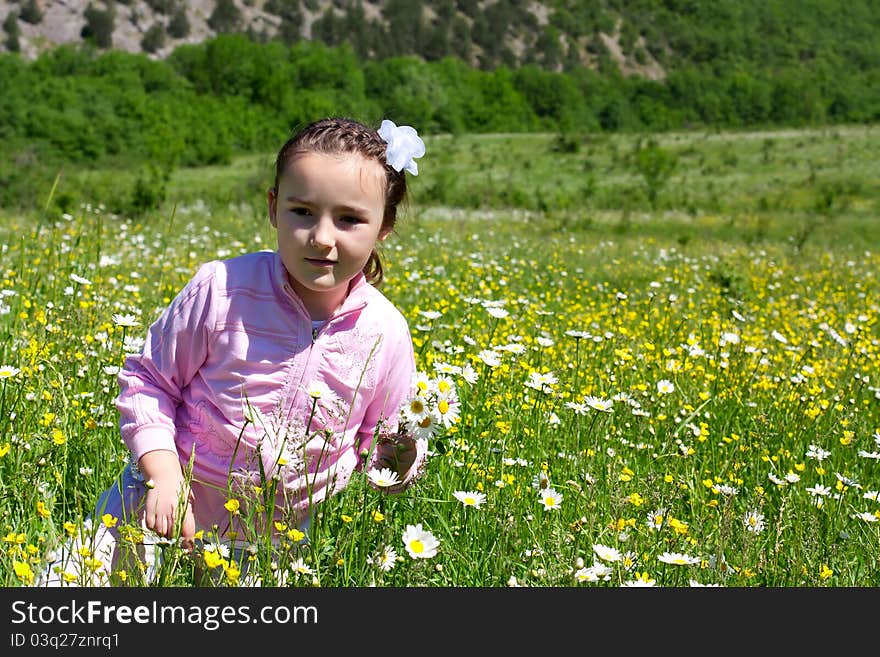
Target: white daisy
{"type": "Point", "coordinates": [678, 559]}
{"type": "Point", "coordinates": [550, 499]}
{"type": "Point", "coordinates": [599, 404]}
{"type": "Point", "coordinates": [8, 371]}
{"type": "Point", "coordinates": [446, 368]}
{"type": "Point", "coordinates": [422, 384]}
{"type": "Point", "coordinates": [469, 374]}
{"type": "Point", "coordinates": [319, 390]}
{"type": "Point", "coordinates": [420, 544]}
{"type": "Point", "coordinates": [656, 519]}
{"type": "Point", "coordinates": [126, 321]}
{"type": "Point", "coordinates": [650, 582]}
{"type": "Point", "coordinates": [847, 481]}
{"type": "Point", "coordinates": [445, 388]}
{"type": "Point", "coordinates": [577, 407]}
{"type": "Point", "coordinates": [729, 338]}
{"type": "Point", "coordinates": [415, 409]}
{"type": "Point", "coordinates": [754, 521]}
{"type": "Point", "coordinates": [383, 478]}
{"type": "Point", "coordinates": [779, 337]}
{"type": "Point", "coordinates": [220, 548]}
{"type": "Point", "coordinates": [425, 428]}
{"type": "Point", "coordinates": [385, 559]}
{"type": "Point", "coordinates": [470, 498]}
{"type": "Point", "coordinates": [490, 357]}
{"type": "Point", "coordinates": [80, 280]}
{"type": "Point", "coordinates": [665, 387]}
{"type": "Point", "coordinates": [541, 381]}
{"type": "Point", "coordinates": [606, 553]}
{"type": "Point", "coordinates": [300, 567]}
{"type": "Point", "coordinates": [866, 516]}
{"type": "Point", "coordinates": [816, 452]}
{"type": "Point", "coordinates": [447, 412]}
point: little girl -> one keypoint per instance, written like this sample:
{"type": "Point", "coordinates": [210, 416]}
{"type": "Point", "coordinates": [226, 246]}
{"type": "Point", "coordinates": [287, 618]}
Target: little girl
{"type": "Point", "coordinates": [277, 370]}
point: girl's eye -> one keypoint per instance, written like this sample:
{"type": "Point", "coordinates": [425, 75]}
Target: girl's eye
{"type": "Point", "coordinates": [300, 211]}
{"type": "Point", "coordinates": [350, 220]}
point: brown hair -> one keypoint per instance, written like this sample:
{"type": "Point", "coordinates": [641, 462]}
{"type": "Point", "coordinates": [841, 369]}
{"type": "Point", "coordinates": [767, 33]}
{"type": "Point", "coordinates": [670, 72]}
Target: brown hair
{"type": "Point", "coordinates": [340, 135]}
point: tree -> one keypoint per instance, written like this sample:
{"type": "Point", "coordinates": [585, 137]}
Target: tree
{"type": "Point", "coordinates": [178, 26]}
{"type": "Point", "coordinates": [154, 39]}
{"type": "Point", "coordinates": [160, 6]}
{"type": "Point", "coordinates": [655, 166]}
{"type": "Point", "coordinates": [31, 13]}
{"type": "Point", "coordinates": [290, 28]}
{"type": "Point", "coordinates": [225, 18]}
{"type": "Point", "coordinates": [99, 26]}
{"type": "Point", "coordinates": [10, 26]}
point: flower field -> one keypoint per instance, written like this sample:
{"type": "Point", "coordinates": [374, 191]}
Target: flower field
{"type": "Point", "coordinates": [665, 401]}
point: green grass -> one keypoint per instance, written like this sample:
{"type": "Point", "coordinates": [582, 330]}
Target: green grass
{"type": "Point", "coordinates": [763, 317]}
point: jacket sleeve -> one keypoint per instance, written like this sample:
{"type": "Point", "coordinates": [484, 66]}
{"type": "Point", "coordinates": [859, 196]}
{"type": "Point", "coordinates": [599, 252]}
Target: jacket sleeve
{"type": "Point", "coordinates": [152, 381]}
{"type": "Point", "coordinates": [379, 435]}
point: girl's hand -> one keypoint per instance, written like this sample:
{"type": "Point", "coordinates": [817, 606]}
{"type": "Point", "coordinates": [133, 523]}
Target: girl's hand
{"type": "Point", "coordinates": [397, 452]}
{"type": "Point", "coordinates": [168, 496]}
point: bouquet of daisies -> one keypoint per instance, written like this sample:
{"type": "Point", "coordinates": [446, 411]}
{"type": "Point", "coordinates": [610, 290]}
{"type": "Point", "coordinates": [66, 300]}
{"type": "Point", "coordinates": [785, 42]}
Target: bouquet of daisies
{"type": "Point", "coordinates": [431, 408]}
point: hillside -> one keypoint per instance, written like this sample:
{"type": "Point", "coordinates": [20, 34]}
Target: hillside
{"type": "Point", "coordinates": [645, 38]}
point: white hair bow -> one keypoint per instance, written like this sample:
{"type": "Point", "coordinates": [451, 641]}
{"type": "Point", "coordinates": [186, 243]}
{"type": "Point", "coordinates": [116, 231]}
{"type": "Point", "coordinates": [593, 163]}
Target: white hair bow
{"type": "Point", "coordinates": [404, 145]}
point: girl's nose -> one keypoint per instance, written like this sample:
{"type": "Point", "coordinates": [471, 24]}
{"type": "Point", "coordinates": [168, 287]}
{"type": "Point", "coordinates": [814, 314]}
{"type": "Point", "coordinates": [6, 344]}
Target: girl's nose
{"type": "Point", "coordinates": [322, 233]}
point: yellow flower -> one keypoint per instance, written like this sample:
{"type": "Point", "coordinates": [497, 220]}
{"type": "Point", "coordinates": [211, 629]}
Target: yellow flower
{"type": "Point", "coordinates": [232, 572]}
{"type": "Point", "coordinates": [825, 572]}
{"type": "Point", "coordinates": [678, 526]}
{"type": "Point", "coordinates": [280, 526]}
{"type": "Point", "coordinates": [58, 437]}
{"type": "Point", "coordinates": [42, 510]}
{"type": "Point", "coordinates": [378, 516]}
{"type": "Point", "coordinates": [232, 505]}
{"type": "Point", "coordinates": [213, 559]}
{"type": "Point", "coordinates": [346, 518]}
{"type": "Point", "coordinates": [636, 500]}
{"type": "Point", "coordinates": [23, 571]}
{"type": "Point", "coordinates": [4, 449]}
{"type": "Point", "coordinates": [109, 520]}
{"type": "Point", "coordinates": [295, 535]}
{"type": "Point", "coordinates": [199, 534]}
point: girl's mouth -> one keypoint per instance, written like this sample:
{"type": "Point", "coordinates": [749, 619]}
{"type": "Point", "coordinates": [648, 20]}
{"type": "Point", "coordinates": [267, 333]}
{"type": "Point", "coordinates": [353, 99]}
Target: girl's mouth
{"type": "Point", "coordinates": [321, 262]}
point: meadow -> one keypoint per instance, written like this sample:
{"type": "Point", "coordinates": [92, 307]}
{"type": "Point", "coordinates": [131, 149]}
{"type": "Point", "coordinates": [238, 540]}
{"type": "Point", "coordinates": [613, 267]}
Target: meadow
{"type": "Point", "coordinates": [664, 348]}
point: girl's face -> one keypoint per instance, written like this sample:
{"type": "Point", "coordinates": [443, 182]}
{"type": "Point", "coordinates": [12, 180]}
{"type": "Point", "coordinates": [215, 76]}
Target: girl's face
{"type": "Point", "coordinates": [328, 212]}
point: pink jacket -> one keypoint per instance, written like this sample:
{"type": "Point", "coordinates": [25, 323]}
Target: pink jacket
{"type": "Point", "coordinates": [226, 373]}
